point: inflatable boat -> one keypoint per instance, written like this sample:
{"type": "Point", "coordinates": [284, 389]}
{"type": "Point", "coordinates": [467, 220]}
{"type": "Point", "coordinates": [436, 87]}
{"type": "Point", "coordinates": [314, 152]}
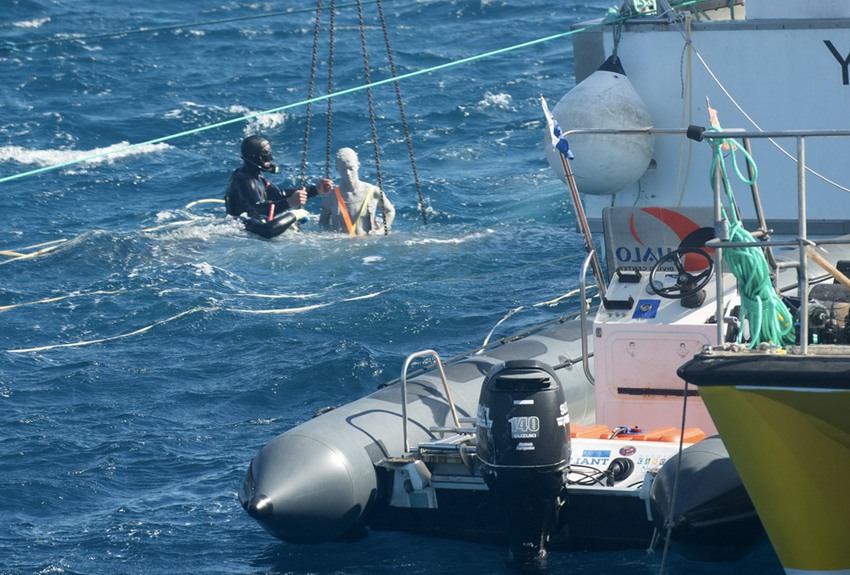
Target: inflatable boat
{"type": "Point", "coordinates": [536, 441]}
{"type": "Point", "coordinates": [539, 443]}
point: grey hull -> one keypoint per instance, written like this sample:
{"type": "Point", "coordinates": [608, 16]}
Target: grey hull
{"type": "Point", "coordinates": [318, 480]}
{"type": "Point", "coordinates": [711, 517]}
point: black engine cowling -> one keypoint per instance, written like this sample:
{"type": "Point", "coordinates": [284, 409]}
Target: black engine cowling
{"type": "Point", "coordinates": [523, 434]}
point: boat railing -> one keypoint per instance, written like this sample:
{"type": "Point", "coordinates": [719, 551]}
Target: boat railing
{"type": "Point", "coordinates": [804, 244]}
{"type": "Point", "coordinates": [404, 416]}
{"type": "Point", "coordinates": [582, 286]}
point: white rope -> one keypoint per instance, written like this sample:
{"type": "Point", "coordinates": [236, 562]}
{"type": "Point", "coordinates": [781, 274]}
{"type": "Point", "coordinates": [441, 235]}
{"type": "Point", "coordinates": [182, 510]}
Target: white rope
{"type": "Point", "coordinates": [292, 310]}
{"type": "Point", "coordinates": [551, 302]}
{"type": "Point", "coordinates": [105, 339]}
{"type": "Point", "coordinates": [14, 256]}
{"type": "Point", "coordinates": [792, 157]}
{"type": "Point", "coordinates": [59, 298]}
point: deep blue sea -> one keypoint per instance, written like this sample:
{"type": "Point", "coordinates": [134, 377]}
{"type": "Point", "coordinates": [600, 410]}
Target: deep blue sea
{"type": "Point", "coordinates": [152, 350]}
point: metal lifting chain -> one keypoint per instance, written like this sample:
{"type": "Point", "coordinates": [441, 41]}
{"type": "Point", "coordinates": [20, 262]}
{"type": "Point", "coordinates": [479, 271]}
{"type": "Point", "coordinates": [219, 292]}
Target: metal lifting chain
{"type": "Point", "coordinates": [371, 110]}
{"type": "Point", "coordinates": [401, 112]}
{"type": "Point", "coordinates": [372, 116]}
{"type": "Point", "coordinates": [310, 93]}
{"type": "Point", "coordinates": [330, 89]}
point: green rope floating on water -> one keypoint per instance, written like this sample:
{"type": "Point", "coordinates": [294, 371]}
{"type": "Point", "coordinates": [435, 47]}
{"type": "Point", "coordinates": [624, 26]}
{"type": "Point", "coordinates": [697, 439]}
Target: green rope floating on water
{"type": "Point", "coordinates": [769, 318]}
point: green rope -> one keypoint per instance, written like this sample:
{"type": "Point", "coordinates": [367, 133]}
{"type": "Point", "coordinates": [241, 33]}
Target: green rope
{"type": "Point", "coordinates": [609, 19]}
{"type": "Point", "coordinates": [360, 88]}
{"type": "Point", "coordinates": [769, 317]}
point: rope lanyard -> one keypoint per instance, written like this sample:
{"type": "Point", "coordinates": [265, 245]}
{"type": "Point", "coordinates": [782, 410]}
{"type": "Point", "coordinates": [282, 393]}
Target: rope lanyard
{"type": "Point", "coordinates": [769, 317]}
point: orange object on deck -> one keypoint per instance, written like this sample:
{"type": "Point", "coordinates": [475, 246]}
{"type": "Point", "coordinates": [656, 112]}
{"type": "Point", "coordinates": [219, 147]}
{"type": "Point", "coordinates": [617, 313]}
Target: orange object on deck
{"type": "Point", "coordinates": [690, 435]}
{"type": "Point", "coordinates": [665, 434]}
{"type": "Point", "coordinates": [597, 431]}
{"type": "Point", "coordinates": [658, 434]}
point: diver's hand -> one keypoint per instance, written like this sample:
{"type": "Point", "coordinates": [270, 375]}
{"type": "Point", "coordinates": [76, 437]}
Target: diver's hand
{"type": "Point", "coordinates": [297, 199]}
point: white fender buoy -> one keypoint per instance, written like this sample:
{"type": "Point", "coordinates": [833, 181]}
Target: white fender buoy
{"type": "Point", "coordinates": [604, 163]}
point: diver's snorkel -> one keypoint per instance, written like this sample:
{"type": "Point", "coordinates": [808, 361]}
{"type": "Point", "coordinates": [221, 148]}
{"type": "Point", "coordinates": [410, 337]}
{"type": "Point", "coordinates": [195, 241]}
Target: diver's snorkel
{"type": "Point", "coordinates": [271, 169]}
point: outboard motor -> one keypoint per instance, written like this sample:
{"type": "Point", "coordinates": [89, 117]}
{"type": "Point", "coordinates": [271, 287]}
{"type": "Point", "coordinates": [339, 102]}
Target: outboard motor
{"type": "Point", "coordinates": [523, 434]}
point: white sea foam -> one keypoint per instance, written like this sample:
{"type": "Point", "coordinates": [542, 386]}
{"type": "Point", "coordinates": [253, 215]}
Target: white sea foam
{"type": "Point", "coordinates": [260, 124]}
{"type": "Point", "coordinates": [203, 269]}
{"type": "Point", "coordinates": [37, 23]}
{"type": "Point", "coordinates": [500, 101]}
{"type": "Point", "coordinates": [97, 155]}
{"type": "Point", "coordinates": [237, 109]}
{"type": "Point", "coordinates": [459, 240]}
{"type": "Point", "coordinates": [264, 123]}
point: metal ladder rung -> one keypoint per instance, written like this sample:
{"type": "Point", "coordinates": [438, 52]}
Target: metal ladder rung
{"type": "Point", "coordinates": [450, 447]}
{"type": "Point", "coordinates": [450, 443]}
{"type": "Point", "coordinates": [450, 429]}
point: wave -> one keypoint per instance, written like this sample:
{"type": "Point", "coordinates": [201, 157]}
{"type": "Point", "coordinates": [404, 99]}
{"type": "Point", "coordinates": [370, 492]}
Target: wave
{"type": "Point", "coordinates": [259, 124]}
{"type": "Point", "coordinates": [35, 23]}
{"type": "Point", "coordinates": [456, 240]}
{"type": "Point", "coordinates": [95, 156]}
{"type": "Point", "coordinates": [499, 101]}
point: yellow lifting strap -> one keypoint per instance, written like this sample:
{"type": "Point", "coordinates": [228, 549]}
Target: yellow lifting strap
{"type": "Point", "coordinates": [352, 227]}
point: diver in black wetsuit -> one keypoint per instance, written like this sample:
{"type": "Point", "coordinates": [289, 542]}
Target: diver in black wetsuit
{"type": "Point", "coordinates": [256, 201]}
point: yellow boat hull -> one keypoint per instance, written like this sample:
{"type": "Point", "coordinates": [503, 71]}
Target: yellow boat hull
{"type": "Point", "coordinates": [791, 447]}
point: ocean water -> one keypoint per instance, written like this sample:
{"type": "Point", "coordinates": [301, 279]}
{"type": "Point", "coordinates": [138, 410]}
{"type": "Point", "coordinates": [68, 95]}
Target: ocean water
{"type": "Point", "coordinates": [152, 349]}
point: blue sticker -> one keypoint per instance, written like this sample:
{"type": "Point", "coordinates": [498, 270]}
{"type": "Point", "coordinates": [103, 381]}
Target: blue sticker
{"type": "Point", "coordinates": [596, 453]}
{"type": "Point", "coordinates": [646, 308]}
